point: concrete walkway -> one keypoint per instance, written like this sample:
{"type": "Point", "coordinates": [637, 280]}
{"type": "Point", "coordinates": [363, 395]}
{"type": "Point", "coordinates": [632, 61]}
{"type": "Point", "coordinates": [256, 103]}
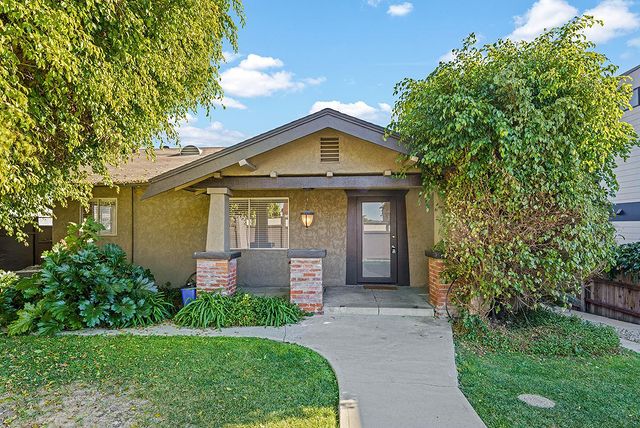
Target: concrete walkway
{"type": "Point", "coordinates": [400, 370]}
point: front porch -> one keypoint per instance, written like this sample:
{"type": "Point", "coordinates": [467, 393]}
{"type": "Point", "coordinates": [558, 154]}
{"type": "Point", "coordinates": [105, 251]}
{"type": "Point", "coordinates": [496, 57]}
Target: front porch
{"type": "Point", "coordinates": [363, 300]}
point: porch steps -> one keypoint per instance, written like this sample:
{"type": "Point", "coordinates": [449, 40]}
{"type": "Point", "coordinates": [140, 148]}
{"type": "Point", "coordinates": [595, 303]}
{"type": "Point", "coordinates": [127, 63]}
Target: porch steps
{"type": "Point", "coordinates": [358, 300]}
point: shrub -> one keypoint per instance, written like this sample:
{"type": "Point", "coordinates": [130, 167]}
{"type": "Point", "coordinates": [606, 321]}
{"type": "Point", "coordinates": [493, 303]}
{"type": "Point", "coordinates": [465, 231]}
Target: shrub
{"type": "Point", "coordinates": [538, 332]}
{"type": "Point", "coordinates": [84, 285]}
{"type": "Point", "coordinates": [216, 310]}
{"type": "Point", "coordinates": [10, 298]}
{"type": "Point", "coordinates": [522, 156]}
{"type": "Point", "coordinates": [627, 261]}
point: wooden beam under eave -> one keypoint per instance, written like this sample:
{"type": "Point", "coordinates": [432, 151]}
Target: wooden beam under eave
{"type": "Point", "coordinates": [244, 163]}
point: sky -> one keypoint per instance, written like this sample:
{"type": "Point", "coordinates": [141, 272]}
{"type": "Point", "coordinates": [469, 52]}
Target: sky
{"type": "Point", "coordinates": [297, 57]}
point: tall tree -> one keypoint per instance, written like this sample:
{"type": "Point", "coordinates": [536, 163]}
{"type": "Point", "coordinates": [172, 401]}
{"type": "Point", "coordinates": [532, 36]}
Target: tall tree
{"type": "Point", "coordinates": [85, 83]}
{"type": "Point", "coordinates": [520, 139]}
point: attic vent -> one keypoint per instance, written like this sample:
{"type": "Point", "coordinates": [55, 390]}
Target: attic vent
{"type": "Point", "coordinates": [329, 149]}
{"type": "Point", "coordinates": [190, 150]}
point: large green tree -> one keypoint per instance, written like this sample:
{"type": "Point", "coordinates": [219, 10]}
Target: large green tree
{"type": "Point", "coordinates": [520, 139]}
{"type": "Point", "coordinates": [84, 83]}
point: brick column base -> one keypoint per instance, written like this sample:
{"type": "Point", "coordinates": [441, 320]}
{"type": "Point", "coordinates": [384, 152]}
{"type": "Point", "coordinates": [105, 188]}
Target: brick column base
{"type": "Point", "coordinates": [216, 272]}
{"type": "Point", "coordinates": [305, 279]}
{"type": "Point", "coordinates": [437, 288]}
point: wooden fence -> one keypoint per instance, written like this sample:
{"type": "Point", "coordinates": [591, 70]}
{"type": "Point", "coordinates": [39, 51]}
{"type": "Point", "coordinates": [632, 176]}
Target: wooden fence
{"type": "Point", "coordinates": [618, 299]}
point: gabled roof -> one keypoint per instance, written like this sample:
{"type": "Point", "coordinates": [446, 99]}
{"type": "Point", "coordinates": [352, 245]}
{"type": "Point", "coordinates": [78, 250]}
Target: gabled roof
{"type": "Point", "coordinates": [203, 167]}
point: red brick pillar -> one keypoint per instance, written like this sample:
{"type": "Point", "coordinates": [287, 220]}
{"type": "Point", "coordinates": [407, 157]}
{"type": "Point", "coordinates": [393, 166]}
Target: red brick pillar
{"type": "Point", "coordinates": [437, 288]}
{"type": "Point", "coordinates": [216, 271]}
{"type": "Point", "coordinates": [305, 279]}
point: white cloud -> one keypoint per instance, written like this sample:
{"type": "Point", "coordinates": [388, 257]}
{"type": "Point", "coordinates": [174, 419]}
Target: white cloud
{"type": "Point", "coordinates": [252, 78]}
{"type": "Point", "coordinates": [213, 134]}
{"type": "Point", "coordinates": [358, 109]}
{"type": "Point", "coordinates": [617, 17]}
{"type": "Point", "coordinates": [634, 43]}
{"type": "Point", "coordinates": [449, 56]}
{"type": "Point", "coordinates": [374, 3]}
{"type": "Point", "coordinates": [400, 9]}
{"type": "Point", "coordinates": [257, 62]}
{"type": "Point", "coordinates": [313, 81]}
{"type": "Point", "coordinates": [229, 102]}
{"type": "Point", "coordinates": [544, 14]}
{"type": "Point", "coordinates": [230, 56]}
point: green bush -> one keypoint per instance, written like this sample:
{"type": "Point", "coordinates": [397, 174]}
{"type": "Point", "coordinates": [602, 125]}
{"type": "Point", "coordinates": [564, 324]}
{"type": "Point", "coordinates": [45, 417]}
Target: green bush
{"type": "Point", "coordinates": [216, 310]}
{"type": "Point", "coordinates": [627, 261]}
{"type": "Point", "coordinates": [10, 298]}
{"type": "Point", "coordinates": [84, 285]}
{"type": "Point", "coordinates": [538, 332]}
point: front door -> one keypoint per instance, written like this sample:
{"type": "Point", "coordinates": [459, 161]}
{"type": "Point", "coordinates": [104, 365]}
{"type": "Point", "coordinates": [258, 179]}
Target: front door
{"type": "Point", "coordinates": [377, 240]}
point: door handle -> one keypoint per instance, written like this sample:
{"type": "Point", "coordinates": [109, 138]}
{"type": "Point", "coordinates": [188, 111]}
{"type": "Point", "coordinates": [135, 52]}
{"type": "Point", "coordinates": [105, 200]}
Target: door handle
{"type": "Point", "coordinates": [393, 249]}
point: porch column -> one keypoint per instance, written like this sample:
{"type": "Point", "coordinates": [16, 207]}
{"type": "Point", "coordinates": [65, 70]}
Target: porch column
{"type": "Point", "coordinates": [305, 279]}
{"type": "Point", "coordinates": [218, 223]}
{"type": "Point", "coordinates": [216, 267]}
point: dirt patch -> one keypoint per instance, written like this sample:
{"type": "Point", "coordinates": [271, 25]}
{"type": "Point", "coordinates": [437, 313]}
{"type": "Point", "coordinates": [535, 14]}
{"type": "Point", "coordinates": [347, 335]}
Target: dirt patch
{"type": "Point", "coordinates": [84, 406]}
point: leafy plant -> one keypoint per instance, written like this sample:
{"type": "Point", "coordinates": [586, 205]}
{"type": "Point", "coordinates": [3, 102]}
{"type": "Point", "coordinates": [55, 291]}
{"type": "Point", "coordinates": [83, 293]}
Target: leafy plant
{"type": "Point", "coordinates": [86, 83]}
{"type": "Point", "coordinates": [83, 285]}
{"type": "Point", "coordinates": [241, 309]}
{"type": "Point", "coordinates": [10, 298]}
{"type": "Point", "coordinates": [538, 332]}
{"type": "Point", "coordinates": [522, 155]}
{"type": "Point", "coordinates": [627, 261]}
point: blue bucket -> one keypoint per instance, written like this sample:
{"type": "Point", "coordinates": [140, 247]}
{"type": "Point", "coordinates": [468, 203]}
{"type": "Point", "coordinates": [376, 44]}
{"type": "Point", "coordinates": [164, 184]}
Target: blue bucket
{"type": "Point", "coordinates": [188, 294]}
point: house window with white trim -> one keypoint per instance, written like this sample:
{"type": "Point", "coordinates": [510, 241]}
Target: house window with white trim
{"type": "Point", "coordinates": [103, 211]}
{"type": "Point", "coordinates": [259, 223]}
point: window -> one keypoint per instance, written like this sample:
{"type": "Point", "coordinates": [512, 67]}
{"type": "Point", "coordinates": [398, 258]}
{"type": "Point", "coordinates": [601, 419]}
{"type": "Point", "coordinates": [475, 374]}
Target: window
{"type": "Point", "coordinates": [259, 223]}
{"type": "Point", "coordinates": [104, 211]}
{"type": "Point", "coordinates": [635, 98]}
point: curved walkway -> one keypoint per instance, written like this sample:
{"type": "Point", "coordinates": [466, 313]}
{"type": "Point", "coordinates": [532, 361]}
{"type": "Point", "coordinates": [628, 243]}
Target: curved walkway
{"type": "Point", "coordinates": [400, 370]}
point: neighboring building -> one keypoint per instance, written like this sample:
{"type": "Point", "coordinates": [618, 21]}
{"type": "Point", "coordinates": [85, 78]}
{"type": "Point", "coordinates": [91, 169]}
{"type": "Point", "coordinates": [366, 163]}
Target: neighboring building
{"type": "Point", "coordinates": [627, 200]}
{"type": "Point", "coordinates": [17, 255]}
{"type": "Point", "coordinates": [249, 200]}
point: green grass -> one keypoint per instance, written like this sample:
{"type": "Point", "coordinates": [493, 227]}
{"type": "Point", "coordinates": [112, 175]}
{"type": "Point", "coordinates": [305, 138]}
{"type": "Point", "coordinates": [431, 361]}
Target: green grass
{"type": "Point", "coordinates": [182, 381]}
{"type": "Point", "coordinates": [593, 383]}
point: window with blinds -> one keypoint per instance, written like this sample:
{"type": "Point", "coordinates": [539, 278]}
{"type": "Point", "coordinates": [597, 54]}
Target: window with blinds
{"type": "Point", "coordinates": [259, 223]}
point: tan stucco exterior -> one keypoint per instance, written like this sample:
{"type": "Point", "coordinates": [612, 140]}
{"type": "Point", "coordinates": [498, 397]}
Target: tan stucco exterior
{"type": "Point", "coordinates": [166, 229]}
{"type": "Point", "coordinates": [162, 232]}
{"type": "Point", "coordinates": [302, 157]}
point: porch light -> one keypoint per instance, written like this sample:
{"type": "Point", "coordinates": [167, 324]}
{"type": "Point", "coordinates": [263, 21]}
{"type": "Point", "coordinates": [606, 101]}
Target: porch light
{"type": "Point", "coordinates": [307, 218]}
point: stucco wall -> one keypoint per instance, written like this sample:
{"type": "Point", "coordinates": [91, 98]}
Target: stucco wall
{"type": "Point", "coordinates": [167, 229]}
{"type": "Point", "coordinates": [270, 267]}
{"type": "Point", "coordinates": [71, 213]}
{"type": "Point", "coordinates": [302, 157]}
{"type": "Point", "coordinates": [420, 236]}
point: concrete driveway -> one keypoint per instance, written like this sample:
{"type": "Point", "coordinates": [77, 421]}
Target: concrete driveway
{"type": "Point", "coordinates": [399, 370]}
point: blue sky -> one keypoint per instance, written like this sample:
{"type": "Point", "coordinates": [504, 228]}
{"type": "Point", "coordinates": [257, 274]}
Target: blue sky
{"type": "Point", "coordinates": [296, 57]}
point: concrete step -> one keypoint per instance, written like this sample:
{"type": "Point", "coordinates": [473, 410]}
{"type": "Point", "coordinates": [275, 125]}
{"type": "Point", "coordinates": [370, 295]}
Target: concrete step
{"type": "Point", "coordinates": [355, 300]}
{"type": "Point", "coordinates": [390, 311]}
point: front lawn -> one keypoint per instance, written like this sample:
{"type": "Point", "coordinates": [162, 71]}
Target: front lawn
{"type": "Point", "coordinates": [164, 381]}
{"type": "Point", "coordinates": [589, 391]}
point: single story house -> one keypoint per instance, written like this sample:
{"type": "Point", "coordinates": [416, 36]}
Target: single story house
{"type": "Point", "coordinates": [627, 200]}
{"type": "Point", "coordinates": [315, 202]}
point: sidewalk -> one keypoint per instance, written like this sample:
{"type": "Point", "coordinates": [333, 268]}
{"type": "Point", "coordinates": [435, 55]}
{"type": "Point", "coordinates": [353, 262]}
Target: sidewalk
{"type": "Point", "coordinates": [399, 370]}
{"type": "Point", "coordinates": [629, 333]}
